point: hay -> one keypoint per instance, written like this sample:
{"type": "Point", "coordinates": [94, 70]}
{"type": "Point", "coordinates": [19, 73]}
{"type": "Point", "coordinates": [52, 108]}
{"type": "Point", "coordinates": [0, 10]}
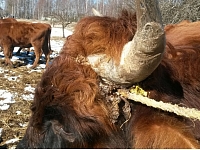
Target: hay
{"type": "Point", "coordinates": [14, 120]}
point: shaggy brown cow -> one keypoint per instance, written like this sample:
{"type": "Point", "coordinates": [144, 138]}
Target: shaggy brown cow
{"type": "Point", "coordinates": [76, 104]}
{"type": "Point", "coordinates": [23, 34]}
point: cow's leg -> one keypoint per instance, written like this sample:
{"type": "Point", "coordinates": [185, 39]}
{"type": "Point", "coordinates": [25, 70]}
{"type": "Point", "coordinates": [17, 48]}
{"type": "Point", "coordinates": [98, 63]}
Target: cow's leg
{"type": "Point", "coordinates": [47, 57]}
{"type": "Point", "coordinates": [28, 50]}
{"type": "Point", "coordinates": [47, 51]}
{"type": "Point", "coordinates": [18, 52]}
{"type": "Point", "coordinates": [8, 50]}
{"type": "Point", "coordinates": [38, 53]}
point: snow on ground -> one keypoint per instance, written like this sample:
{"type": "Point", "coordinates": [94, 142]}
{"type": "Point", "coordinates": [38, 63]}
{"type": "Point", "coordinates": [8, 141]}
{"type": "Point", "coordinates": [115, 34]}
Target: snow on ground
{"type": "Point", "coordinates": [6, 97]}
{"type": "Point", "coordinates": [57, 32]}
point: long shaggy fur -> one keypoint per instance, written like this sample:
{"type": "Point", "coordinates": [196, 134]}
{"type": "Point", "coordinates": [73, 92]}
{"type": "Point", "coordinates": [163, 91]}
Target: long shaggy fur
{"type": "Point", "coordinates": [69, 110]}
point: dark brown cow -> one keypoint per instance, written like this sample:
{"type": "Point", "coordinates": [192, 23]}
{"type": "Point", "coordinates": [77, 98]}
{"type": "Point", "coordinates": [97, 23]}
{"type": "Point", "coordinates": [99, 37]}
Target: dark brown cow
{"type": "Point", "coordinates": [76, 104]}
{"type": "Point", "coordinates": [23, 34]}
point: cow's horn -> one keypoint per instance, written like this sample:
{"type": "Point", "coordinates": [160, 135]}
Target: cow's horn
{"type": "Point", "coordinates": [96, 13]}
{"type": "Point", "coordinates": [142, 55]}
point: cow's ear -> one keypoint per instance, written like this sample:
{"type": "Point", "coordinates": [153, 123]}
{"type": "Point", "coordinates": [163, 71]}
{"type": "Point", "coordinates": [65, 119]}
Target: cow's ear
{"type": "Point", "coordinates": [58, 130]}
{"type": "Point", "coordinates": [67, 136]}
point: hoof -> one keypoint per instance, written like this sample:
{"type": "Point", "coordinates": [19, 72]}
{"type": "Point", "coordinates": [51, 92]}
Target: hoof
{"type": "Point", "coordinates": [33, 66]}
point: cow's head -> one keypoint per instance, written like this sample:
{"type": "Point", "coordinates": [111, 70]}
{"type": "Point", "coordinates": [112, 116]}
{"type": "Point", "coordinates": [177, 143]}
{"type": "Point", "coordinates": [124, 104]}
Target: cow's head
{"type": "Point", "coordinates": [142, 55]}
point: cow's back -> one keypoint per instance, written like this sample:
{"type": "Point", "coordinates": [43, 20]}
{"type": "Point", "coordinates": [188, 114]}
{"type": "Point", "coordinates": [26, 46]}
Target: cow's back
{"type": "Point", "coordinates": [183, 33]}
{"type": "Point", "coordinates": [21, 33]}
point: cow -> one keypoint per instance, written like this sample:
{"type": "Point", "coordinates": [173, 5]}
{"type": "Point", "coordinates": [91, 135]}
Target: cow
{"type": "Point", "coordinates": [25, 35]}
{"type": "Point", "coordinates": [49, 45]}
{"type": "Point", "coordinates": [10, 20]}
{"type": "Point", "coordinates": [76, 103]}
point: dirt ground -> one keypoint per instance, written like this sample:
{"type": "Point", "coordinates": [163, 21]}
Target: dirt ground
{"type": "Point", "coordinates": [14, 123]}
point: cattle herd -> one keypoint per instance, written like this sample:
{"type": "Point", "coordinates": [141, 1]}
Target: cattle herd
{"type": "Point", "coordinates": [77, 104]}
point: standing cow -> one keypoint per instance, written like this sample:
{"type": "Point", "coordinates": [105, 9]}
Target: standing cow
{"type": "Point", "coordinates": [76, 104]}
{"type": "Point", "coordinates": [23, 34]}
{"type": "Point", "coordinates": [10, 20]}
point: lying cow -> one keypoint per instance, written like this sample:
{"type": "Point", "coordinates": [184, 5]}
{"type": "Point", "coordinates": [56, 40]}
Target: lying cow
{"type": "Point", "coordinates": [23, 34]}
{"type": "Point", "coordinates": [76, 104]}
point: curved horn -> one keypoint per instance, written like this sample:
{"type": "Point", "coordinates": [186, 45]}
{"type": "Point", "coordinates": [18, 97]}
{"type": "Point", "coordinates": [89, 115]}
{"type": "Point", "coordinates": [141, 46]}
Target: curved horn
{"type": "Point", "coordinates": [142, 55]}
{"type": "Point", "coordinates": [96, 13]}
